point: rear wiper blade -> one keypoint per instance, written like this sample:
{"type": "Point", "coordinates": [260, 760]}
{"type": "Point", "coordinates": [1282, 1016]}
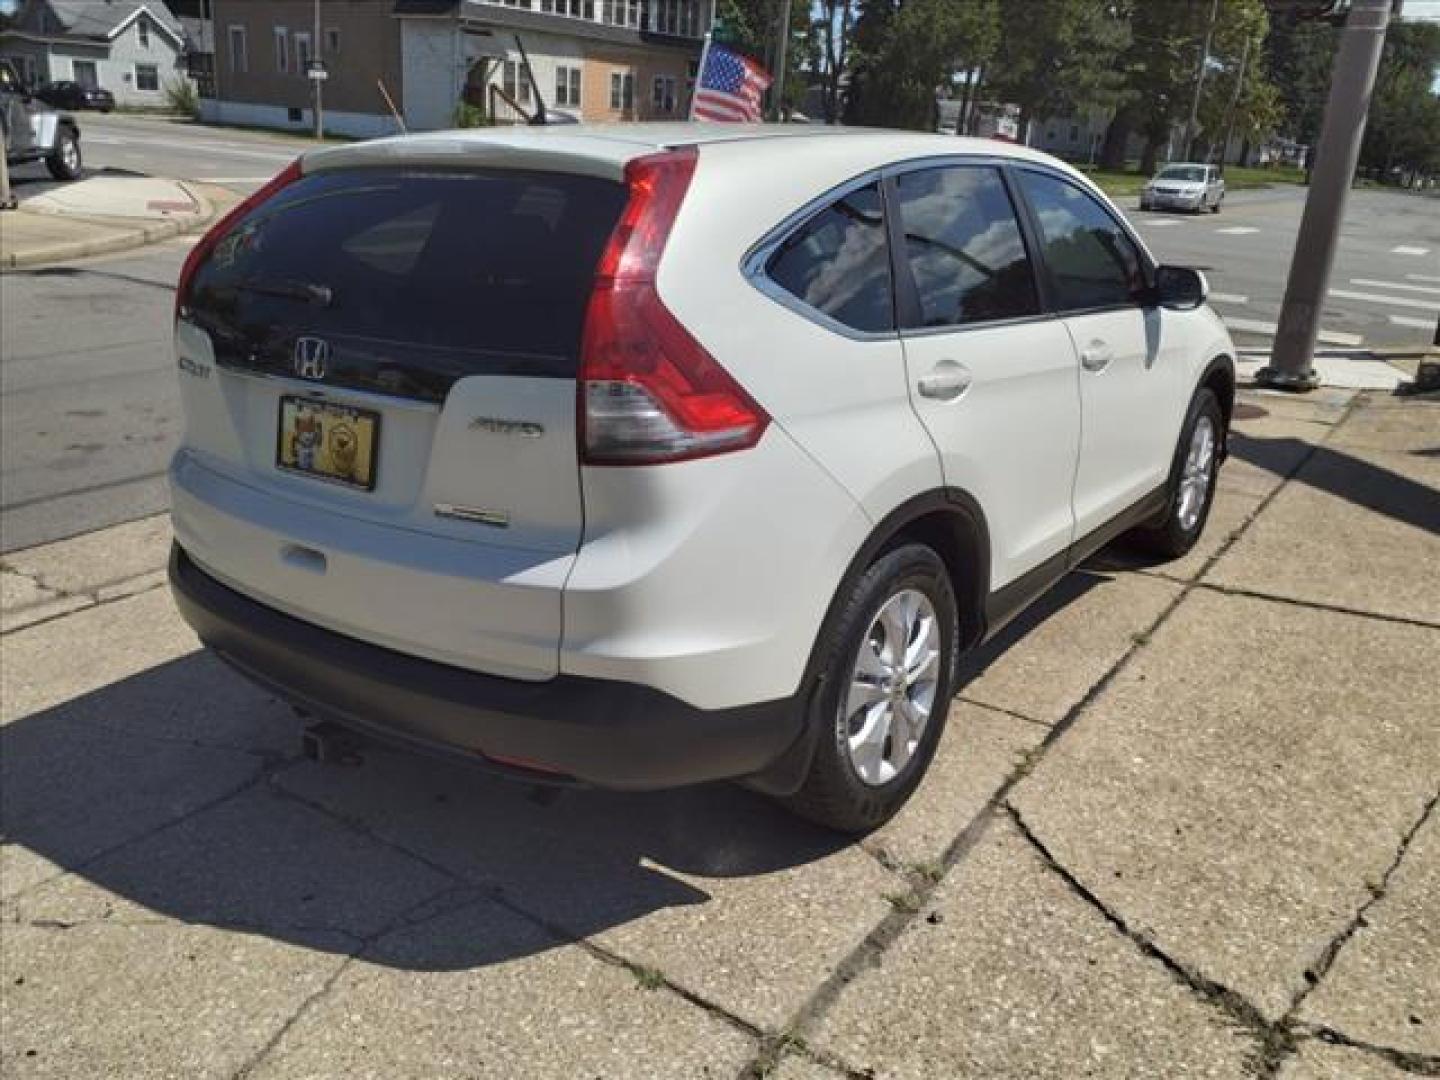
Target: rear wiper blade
{"type": "Point", "coordinates": [310, 293]}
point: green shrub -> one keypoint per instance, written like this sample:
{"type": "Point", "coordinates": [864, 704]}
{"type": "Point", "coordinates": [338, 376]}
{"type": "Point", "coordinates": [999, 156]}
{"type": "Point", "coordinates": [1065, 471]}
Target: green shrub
{"type": "Point", "coordinates": [182, 96]}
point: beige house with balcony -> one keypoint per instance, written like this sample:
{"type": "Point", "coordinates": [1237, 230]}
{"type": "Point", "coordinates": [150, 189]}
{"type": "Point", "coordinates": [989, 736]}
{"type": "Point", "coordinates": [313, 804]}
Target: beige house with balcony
{"type": "Point", "coordinates": [598, 60]}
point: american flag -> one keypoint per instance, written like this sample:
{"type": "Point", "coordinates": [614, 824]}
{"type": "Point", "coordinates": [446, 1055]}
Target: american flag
{"type": "Point", "coordinates": [730, 87]}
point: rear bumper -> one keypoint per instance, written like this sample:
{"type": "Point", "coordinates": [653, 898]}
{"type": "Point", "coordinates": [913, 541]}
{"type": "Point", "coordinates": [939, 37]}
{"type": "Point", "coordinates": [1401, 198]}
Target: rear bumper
{"type": "Point", "coordinates": [607, 733]}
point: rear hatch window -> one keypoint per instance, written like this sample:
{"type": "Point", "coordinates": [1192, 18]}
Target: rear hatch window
{"type": "Point", "coordinates": [414, 278]}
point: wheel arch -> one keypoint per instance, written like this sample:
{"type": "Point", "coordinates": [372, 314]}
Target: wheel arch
{"type": "Point", "coordinates": [1218, 376]}
{"type": "Point", "coordinates": [951, 522]}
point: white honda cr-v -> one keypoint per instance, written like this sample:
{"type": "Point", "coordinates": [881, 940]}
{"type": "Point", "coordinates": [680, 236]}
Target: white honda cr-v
{"type": "Point", "coordinates": [647, 455]}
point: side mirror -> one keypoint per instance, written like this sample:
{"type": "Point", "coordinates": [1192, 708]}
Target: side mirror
{"type": "Point", "coordinates": [1180, 288]}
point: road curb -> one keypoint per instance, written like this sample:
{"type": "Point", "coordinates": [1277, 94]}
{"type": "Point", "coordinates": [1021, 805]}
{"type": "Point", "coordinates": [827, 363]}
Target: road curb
{"type": "Point", "coordinates": [132, 237]}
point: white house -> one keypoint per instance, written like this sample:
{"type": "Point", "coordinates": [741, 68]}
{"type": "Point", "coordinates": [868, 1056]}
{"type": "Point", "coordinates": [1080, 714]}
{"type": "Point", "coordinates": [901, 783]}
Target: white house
{"type": "Point", "coordinates": [133, 48]}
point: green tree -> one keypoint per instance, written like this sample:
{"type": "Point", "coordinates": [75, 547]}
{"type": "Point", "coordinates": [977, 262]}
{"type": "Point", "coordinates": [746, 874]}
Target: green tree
{"type": "Point", "coordinates": [1299, 54]}
{"type": "Point", "coordinates": [1402, 133]}
{"type": "Point", "coordinates": [1059, 57]}
{"type": "Point", "coordinates": [906, 50]}
{"type": "Point", "coordinates": [753, 27]}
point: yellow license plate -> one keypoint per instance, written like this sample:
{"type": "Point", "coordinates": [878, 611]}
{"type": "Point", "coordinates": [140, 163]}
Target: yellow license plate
{"type": "Point", "coordinates": [328, 442]}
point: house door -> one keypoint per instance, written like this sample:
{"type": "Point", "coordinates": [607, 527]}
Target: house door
{"type": "Point", "coordinates": [85, 74]}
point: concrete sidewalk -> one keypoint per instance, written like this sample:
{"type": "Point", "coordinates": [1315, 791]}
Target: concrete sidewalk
{"type": "Point", "coordinates": [105, 214]}
{"type": "Point", "coordinates": [1182, 823]}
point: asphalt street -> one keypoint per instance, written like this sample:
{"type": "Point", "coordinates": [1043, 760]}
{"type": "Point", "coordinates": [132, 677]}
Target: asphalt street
{"type": "Point", "coordinates": [89, 412]}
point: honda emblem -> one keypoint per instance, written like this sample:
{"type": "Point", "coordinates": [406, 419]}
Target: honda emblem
{"type": "Point", "coordinates": [312, 357]}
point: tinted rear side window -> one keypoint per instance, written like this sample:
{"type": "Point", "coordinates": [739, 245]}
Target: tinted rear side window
{"type": "Point", "coordinates": [427, 275]}
{"type": "Point", "coordinates": [838, 262]}
{"type": "Point", "coordinates": [1092, 262]}
{"type": "Point", "coordinates": [963, 246]}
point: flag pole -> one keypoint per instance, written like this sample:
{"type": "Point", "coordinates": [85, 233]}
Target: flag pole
{"type": "Point", "coordinates": [700, 73]}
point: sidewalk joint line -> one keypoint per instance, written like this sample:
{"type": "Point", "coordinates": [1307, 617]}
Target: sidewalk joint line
{"type": "Point", "coordinates": [1315, 973]}
{"type": "Point", "coordinates": [1406, 1060]}
{"type": "Point", "coordinates": [1275, 1040]}
{"type": "Point", "coordinates": [1317, 605]}
{"type": "Point", "coordinates": [1003, 711]}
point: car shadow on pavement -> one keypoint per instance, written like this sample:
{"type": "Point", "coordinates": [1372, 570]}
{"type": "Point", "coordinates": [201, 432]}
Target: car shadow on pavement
{"type": "Point", "coordinates": [181, 790]}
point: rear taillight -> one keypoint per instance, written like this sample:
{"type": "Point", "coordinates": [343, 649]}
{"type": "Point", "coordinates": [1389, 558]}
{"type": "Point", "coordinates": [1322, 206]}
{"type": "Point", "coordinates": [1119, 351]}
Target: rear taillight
{"type": "Point", "coordinates": [649, 392]}
{"type": "Point", "coordinates": [221, 229]}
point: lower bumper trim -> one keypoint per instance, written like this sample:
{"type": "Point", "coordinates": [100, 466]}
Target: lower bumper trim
{"type": "Point", "coordinates": [566, 729]}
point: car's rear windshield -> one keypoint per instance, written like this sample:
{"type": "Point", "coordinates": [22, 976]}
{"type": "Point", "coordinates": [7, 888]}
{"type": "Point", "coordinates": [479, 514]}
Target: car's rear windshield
{"type": "Point", "coordinates": [464, 272]}
{"type": "Point", "coordinates": [1182, 172]}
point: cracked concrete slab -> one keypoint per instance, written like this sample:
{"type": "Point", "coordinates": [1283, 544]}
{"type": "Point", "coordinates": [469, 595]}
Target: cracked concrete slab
{"type": "Point", "coordinates": [979, 750]}
{"type": "Point", "coordinates": [1392, 425]}
{"type": "Point", "coordinates": [1356, 529]}
{"type": "Point", "coordinates": [1384, 987]}
{"type": "Point", "coordinates": [83, 564]}
{"type": "Point", "coordinates": [1324, 405]}
{"type": "Point", "coordinates": [1023, 978]}
{"type": "Point", "coordinates": [24, 602]}
{"type": "Point", "coordinates": [258, 860]}
{"type": "Point", "coordinates": [113, 725]}
{"type": "Point", "coordinates": [1233, 790]}
{"type": "Point", "coordinates": [1044, 663]}
{"type": "Point", "coordinates": [1317, 1060]}
{"type": "Point", "coordinates": [523, 1004]}
{"type": "Point", "coordinates": [107, 1001]}
{"type": "Point", "coordinates": [717, 887]}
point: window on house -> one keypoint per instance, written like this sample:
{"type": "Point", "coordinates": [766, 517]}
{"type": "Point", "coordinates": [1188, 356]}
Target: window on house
{"type": "Point", "coordinates": [567, 85]}
{"type": "Point", "coordinates": [143, 29]}
{"type": "Point", "coordinates": [239, 54]}
{"type": "Point", "coordinates": [302, 53]}
{"type": "Point", "coordinates": [515, 81]}
{"type": "Point", "coordinates": [662, 94]}
{"type": "Point", "coordinates": [622, 90]}
{"type": "Point", "coordinates": [282, 49]}
{"type": "Point", "coordinates": [332, 40]}
{"type": "Point", "coordinates": [147, 77]}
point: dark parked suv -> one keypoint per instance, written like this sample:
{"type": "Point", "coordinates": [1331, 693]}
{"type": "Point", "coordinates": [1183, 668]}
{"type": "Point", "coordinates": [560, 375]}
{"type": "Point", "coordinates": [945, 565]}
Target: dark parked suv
{"type": "Point", "coordinates": [73, 95]}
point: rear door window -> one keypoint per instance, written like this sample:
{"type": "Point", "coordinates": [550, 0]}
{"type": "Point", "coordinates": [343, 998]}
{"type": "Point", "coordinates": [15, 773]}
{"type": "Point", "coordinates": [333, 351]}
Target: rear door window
{"type": "Point", "coordinates": [963, 247]}
{"type": "Point", "coordinates": [1092, 261]}
{"type": "Point", "coordinates": [838, 262]}
{"type": "Point", "coordinates": [416, 278]}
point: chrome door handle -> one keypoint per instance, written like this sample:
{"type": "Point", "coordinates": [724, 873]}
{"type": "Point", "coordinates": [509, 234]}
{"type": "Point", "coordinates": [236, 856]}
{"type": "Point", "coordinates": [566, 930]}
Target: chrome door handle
{"type": "Point", "coordinates": [1096, 356]}
{"type": "Point", "coordinates": [946, 381]}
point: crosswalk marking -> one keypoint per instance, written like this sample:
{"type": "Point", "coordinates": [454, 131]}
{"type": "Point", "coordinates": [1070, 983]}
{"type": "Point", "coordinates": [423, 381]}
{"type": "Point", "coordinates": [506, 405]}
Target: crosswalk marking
{"type": "Point", "coordinates": [1408, 249]}
{"type": "Point", "coordinates": [1257, 326]}
{"type": "Point", "coordinates": [1229, 298]}
{"type": "Point", "coordinates": [1395, 285]}
{"type": "Point", "coordinates": [1237, 230]}
{"type": "Point", "coordinates": [1422, 277]}
{"type": "Point", "coordinates": [1418, 324]}
{"type": "Point", "coordinates": [1376, 298]}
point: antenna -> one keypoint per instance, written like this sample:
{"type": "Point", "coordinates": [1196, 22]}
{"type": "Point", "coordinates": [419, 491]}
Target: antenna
{"type": "Point", "coordinates": [539, 118]}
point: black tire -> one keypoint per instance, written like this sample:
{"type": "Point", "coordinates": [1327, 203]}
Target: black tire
{"type": "Point", "coordinates": [1216, 208]}
{"type": "Point", "coordinates": [833, 794]}
{"type": "Point", "coordinates": [1166, 535]}
{"type": "Point", "coordinates": [64, 161]}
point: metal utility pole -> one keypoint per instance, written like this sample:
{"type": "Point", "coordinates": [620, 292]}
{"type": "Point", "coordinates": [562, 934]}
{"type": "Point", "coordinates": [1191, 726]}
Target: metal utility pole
{"type": "Point", "coordinates": [1200, 80]}
{"type": "Point", "coordinates": [1351, 84]}
{"type": "Point", "coordinates": [315, 80]}
{"type": "Point", "coordinates": [780, 59]}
